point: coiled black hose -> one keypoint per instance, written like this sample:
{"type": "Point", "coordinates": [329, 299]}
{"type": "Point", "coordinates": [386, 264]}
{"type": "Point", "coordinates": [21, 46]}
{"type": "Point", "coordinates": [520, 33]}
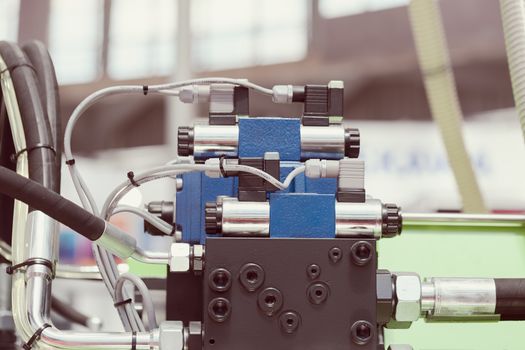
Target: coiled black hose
{"type": "Point", "coordinates": [37, 130]}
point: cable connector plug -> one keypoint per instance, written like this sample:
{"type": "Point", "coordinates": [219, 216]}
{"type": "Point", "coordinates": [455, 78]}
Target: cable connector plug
{"type": "Point", "coordinates": [317, 168]}
{"type": "Point", "coordinates": [195, 94]}
{"type": "Point", "coordinates": [282, 94]}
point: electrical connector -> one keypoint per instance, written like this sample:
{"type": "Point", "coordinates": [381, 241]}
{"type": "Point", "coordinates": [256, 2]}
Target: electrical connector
{"type": "Point", "coordinates": [215, 168]}
{"type": "Point", "coordinates": [317, 168]}
{"type": "Point", "coordinates": [195, 94]}
{"type": "Point", "coordinates": [282, 94]}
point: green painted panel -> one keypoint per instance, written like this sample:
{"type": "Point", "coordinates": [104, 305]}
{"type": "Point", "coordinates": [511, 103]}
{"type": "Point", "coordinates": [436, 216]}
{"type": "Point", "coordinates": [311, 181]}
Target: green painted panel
{"type": "Point", "coordinates": [458, 252]}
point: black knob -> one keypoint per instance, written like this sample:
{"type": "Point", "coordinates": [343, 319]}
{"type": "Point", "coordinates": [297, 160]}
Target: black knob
{"type": "Point", "coordinates": [185, 138]}
{"type": "Point", "coordinates": [352, 143]}
{"type": "Point", "coordinates": [392, 220]}
{"type": "Point", "coordinates": [213, 218]}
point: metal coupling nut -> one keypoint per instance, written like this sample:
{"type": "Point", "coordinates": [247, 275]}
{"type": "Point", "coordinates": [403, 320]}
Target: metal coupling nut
{"type": "Point", "coordinates": [408, 296]}
{"type": "Point", "coordinates": [171, 335]}
{"type": "Point", "coordinates": [180, 254]}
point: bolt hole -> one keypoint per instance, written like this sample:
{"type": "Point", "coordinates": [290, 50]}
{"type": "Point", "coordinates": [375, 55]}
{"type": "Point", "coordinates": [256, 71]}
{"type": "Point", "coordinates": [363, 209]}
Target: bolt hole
{"type": "Point", "coordinates": [335, 253]}
{"type": "Point", "coordinates": [319, 293]}
{"type": "Point", "coordinates": [212, 341]}
{"type": "Point", "coordinates": [270, 300]}
{"type": "Point", "coordinates": [314, 270]}
{"type": "Point", "coordinates": [289, 321]}
{"type": "Point", "coordinates": [363, 252]}
{"type": "Point", "coordinates": [252, 276]}
{"type": "Point", "coordinates": [221, 279]}
{"type": "Point", "coordinates": [220, 309]}
{"type": "Point", "coordinates": [363, 332]}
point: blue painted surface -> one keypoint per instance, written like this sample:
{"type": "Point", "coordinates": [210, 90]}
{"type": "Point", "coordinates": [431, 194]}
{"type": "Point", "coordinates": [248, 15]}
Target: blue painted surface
{"type": "Point", "coordinates": [260, 135]}
{"type": "Point", "coordinates": [256, 137]}
{"type": "Point", "coordinates": [198, 189]}
{"type": "Point", "coordinates": [306, 215]}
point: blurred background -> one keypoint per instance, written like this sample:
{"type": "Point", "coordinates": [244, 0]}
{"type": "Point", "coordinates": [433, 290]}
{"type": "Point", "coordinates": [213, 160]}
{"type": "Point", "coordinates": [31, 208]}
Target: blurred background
{"type": "Point", "coordinates": [366, 43]}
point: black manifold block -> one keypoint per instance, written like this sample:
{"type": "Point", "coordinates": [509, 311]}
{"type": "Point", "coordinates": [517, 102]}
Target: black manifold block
{"type": "Point", "coordinates": [307, 294]}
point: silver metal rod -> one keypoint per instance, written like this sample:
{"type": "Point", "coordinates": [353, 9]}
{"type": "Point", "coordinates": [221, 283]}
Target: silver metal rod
{"type": "Point", "coordinates": [453, 219]}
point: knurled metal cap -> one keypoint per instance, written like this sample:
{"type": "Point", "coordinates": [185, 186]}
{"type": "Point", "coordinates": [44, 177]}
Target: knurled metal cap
{"type": "Point", "coordinates": [212, 218]}
{"type": "Point", "coordinates": [392, 220]}
{"type": "Point", "coordinates": [185, 141]}
{"type": "Point", "coordinates": [352, 142]}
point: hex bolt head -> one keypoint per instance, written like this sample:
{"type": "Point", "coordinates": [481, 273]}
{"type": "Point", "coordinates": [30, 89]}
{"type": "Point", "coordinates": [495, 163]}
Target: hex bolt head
{"type": "Point", "coordinates": [219, 309]}
{"type": "Point", "coordinates": [362, 253]}
{"type": "Point", "coordinates": [270, 300]}
{"type": "Point", "coordinates": [335, 254]}
{"type": "Point", "coordinates": [318, 293]}
{"type": "Point", "coordinates": [313, 271]}
{"type": "Point", "coordinates": [362, 332]}
{"type": "Point", "coordinates": [220, 280]}
{"type": "Point", "coordinates": [289, 321]}
{"type": "Point", "coordinates": [251, 277]}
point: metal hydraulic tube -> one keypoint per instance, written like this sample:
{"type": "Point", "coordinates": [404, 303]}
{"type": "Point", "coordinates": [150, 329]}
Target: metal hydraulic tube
{"type": "Point", "coordinates": [460, 219]}
{"type": "Point", "coordinates": [33, 307]}
{"type": "Point", "coordinates": [38, 296]}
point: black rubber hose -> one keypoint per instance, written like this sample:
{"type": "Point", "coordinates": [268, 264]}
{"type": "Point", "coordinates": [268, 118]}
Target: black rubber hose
{"type": "Point", "coordinates": [66, 311]}
{"type": "Point", "coordinates": [7, 149]}
{"type": "Point", "coordinates": [51, 203]}
{"type": "Point", "coordinates": [48, 88]}
{"type": "Point", "coordinates": [37, 131]}
{"type": "Point", "coordinates": [510, 298]}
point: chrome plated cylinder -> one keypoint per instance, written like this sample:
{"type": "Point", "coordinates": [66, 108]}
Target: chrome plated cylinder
{"type": "Point", "coordinates": [253, 218]}
{"type": "Point", "coordinates": [323, 142]}
{"type": "Point", "coordinates": [428, 297]}
{"type": "Point", "coordinates": [42, 235]}
{"type": "Point", "coordinates": [359, 219]}
{"type": "Point", "coordinates": [245, 218]}
{"type": "Point", "coordinates": [215, 141]}
{"type": "Point", "coordinates": [462, 297]}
